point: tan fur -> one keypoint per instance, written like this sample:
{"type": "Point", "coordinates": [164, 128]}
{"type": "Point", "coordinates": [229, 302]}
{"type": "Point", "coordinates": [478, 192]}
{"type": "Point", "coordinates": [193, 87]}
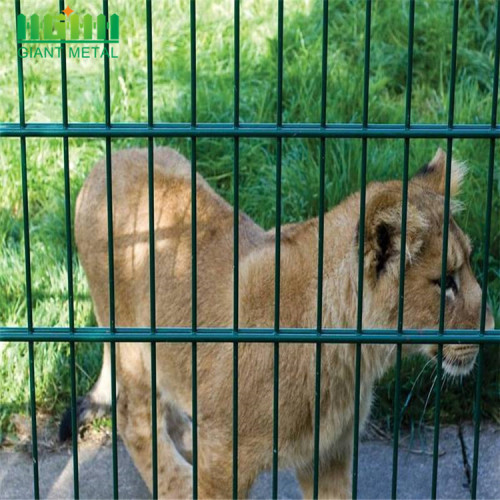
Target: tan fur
{"type": "Point", "coordinates": [297, 309]}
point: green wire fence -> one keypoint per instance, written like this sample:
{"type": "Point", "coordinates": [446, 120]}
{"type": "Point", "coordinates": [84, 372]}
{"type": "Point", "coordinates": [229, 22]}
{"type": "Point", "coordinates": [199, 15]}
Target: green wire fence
{"type": "Point", "coordinates": [236, 130]}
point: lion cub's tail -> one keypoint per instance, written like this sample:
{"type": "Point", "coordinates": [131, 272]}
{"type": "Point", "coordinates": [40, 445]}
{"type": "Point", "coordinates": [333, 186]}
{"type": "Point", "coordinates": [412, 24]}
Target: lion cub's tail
{"type": "Point", "coordinates": [95, 404]}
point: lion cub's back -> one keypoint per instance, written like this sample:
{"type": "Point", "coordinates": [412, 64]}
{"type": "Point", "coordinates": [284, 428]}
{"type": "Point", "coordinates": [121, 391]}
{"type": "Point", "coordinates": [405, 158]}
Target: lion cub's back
{"type": "Point", "coordinates": [130, 197]}
{"type": "Point", "coordinates": [172, 181]}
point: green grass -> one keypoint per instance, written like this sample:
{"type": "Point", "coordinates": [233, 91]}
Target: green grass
{"type": "Point", "coordinates": [302, 90]}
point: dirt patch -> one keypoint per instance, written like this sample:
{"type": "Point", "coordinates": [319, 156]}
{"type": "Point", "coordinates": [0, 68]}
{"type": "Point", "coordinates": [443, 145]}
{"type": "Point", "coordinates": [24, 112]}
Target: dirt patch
{"type": "Point", "coordinates": [19, 439]}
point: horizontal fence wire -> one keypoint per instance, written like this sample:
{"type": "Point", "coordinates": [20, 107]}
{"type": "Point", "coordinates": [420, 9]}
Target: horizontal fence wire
{"type": "Point", "coordinates": [290, 335]}
{"type": "Point", "coordinates": [252, 130]}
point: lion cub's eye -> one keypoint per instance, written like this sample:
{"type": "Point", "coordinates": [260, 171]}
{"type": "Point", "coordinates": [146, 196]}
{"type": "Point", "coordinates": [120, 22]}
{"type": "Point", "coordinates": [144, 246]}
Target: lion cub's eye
{"type": "Point", "coordinates": [451, 284]}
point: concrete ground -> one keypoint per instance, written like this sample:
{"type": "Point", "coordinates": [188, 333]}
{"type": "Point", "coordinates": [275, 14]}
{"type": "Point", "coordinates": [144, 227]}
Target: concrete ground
{"type": "Point", "coordinates": [375, 470]}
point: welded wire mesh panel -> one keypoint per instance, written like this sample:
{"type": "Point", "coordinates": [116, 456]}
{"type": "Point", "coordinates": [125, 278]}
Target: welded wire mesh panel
{"type": "Point", "coordinates": [277, 131]}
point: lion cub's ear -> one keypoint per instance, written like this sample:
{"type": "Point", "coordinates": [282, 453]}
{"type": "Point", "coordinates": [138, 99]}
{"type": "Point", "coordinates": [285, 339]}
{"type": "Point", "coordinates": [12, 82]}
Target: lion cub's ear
{"type": "Point", "coordinates": [433, 175]}
{"type": "Point", "coordinates": [383, 234]}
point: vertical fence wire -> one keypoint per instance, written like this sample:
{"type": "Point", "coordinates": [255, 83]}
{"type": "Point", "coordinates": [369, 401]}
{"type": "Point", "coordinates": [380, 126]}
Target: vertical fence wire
{"type": "Point", "coordinates": [27, 264]}
{"type": "Point", "coordinates": [152, 273]}
{"type": "Point", "coordinates": [359, 326]}
{"type": "Point", "coordinates": [69, 265]}
{"type": "Point", "coordinates": [402, 261]}
{"type": "Point", "coordinates": [194, 318]}
{"type": "Point", "coordinates": [236, 239]}
{"type": "Point", "coordinates": [321, 236]}
{"type": "Point", "coordinates": [487, 235]}
{"type": "Point", "coordinates": [279, 151]}
{"type": "Point", "coordinates": [449, 147]}
{"type": "Point", "coordinates": [111, 263]}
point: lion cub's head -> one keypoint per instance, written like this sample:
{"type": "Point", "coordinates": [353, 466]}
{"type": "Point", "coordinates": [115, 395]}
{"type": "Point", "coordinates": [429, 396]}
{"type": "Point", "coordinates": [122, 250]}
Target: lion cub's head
{"type": "Point", "coordinates": [424, 244]}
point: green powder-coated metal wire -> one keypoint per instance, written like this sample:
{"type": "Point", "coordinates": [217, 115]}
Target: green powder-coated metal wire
{"type": "Point", "coordinates": [317, 416]}
{"type": "Point", "coordinates": [194, 293]}
{"type": "Point", "coordinates": [446, 216]}
{"type": "Point", "coordinates": [487, 239]}
{"type": "Point", "coordinates": [69, 260]}
{"type": "Point", "coordinates": [252, 130]}
{"type": "Point", "coordinates": [276, 318]}
{"type": "Point", "coordinates": [27, 262]}
{"type": "Point", "coordinates": [112, 321]}
{"type": "Point", "coordinates": [364, 153]}
{"type": "Point", "coordinates": [69, 266]}
{"type": "Point", "coordinates": [277, 266]}
{"type": "Point", "coordinates": [477, 420]}
{"type": "Point", "coordinates": [402, 262]}
{"type": "Point", "coordinates": [152, 273]}
{"type": "Point", "coordinates": [31, 353]}
{"type": "Point", "coordinates": [194, 353]}
{"type": "Point", "coordinates": [276, 374]}
{"type": "Point", "coordinates": [236, 234]}
{"type": "Point", "coordinates": [321, 232]}
{"type": "Point", "coordinates": [279, 106]}
{"type": "Point", "coordinates": [292, 335]}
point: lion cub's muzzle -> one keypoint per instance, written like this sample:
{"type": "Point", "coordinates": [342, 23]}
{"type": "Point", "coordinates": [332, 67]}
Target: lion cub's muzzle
{"type": "Point", "coordinates": [459, 359]}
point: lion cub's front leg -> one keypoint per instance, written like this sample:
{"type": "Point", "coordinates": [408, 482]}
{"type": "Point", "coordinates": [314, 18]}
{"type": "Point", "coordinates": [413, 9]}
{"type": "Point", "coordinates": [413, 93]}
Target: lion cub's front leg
{"type": "Point", "coordinates": [334, 479]}
{"type": "Point", "coordinates": [134, 426]}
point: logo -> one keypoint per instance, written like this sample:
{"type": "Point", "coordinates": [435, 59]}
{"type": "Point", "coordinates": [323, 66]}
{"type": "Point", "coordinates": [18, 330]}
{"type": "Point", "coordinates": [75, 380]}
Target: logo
{"type": "Point", "coordinates": [68, 28]}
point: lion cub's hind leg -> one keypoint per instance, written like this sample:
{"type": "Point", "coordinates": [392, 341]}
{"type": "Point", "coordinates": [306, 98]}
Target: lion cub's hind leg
{"type": "Point", "coordinates": [134, 425]}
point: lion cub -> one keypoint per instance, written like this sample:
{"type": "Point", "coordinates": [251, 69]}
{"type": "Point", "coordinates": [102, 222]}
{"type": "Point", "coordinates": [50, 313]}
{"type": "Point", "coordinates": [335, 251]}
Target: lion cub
{"type": "Point", "coordinates": [299, 243]}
